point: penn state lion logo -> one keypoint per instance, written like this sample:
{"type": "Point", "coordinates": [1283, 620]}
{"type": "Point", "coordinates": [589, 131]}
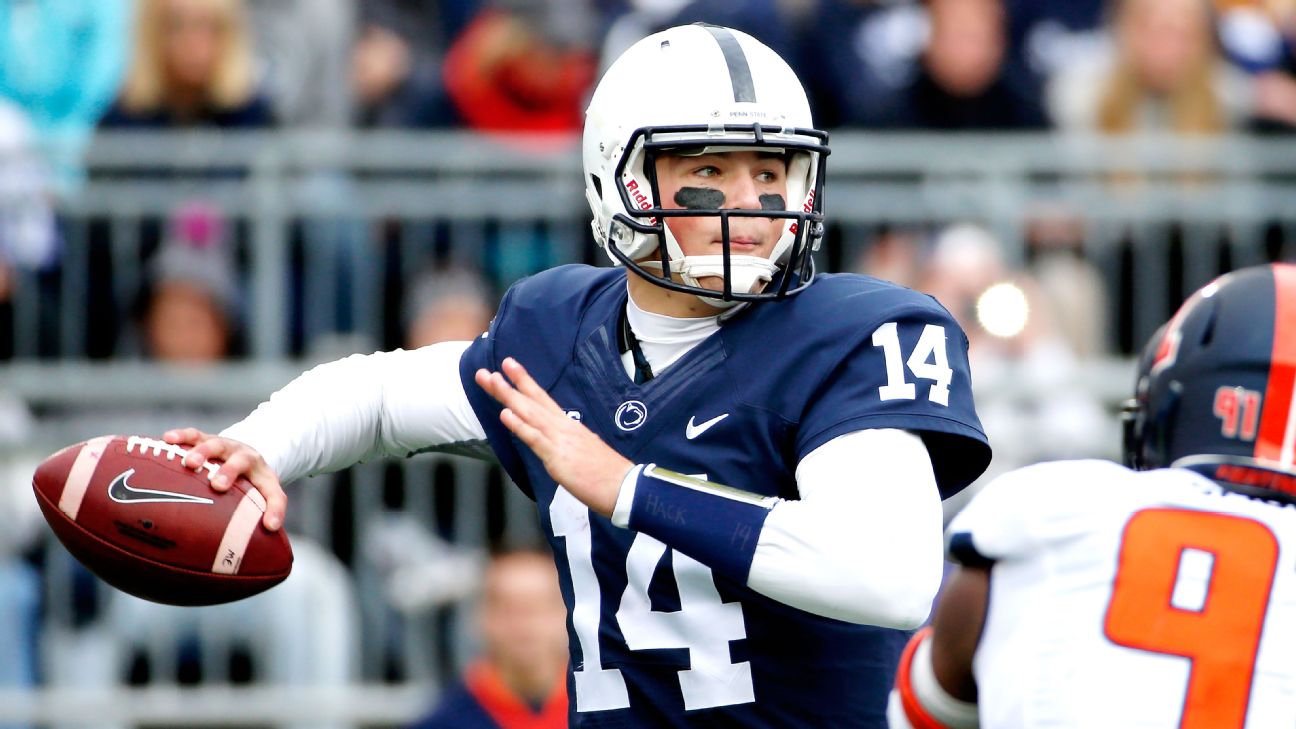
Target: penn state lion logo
{"type": "Point", "coordinates": [631, 415]}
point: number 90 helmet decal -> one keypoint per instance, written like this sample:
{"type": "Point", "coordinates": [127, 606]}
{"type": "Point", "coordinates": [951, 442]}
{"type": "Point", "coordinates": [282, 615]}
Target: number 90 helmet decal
{"type": "Point", "coordinates": [712, 89]}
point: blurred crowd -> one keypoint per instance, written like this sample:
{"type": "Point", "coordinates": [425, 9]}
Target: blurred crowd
{"type": "Point", "coordinates": [1200, 66]}
{"type": "Point", "coordinates": [526, 65]}
{"type": "Point", "coordinates": [69, 68]}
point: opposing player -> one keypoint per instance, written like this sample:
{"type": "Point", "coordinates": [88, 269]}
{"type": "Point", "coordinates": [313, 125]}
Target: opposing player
{"type": "Point", "coordinates": [818, 418]}
{"type": "Point", "coordinates": [1095, 595]}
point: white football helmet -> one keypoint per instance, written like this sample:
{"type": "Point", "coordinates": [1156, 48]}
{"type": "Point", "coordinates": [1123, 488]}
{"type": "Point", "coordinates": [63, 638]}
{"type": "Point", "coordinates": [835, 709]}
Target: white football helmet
{"type": "Point", "coordinates": [707, 88]}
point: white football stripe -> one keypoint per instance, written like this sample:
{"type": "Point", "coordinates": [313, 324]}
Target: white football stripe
{"type": "Point", "coordinates": [237, 535]}
{"type": "Point", "coordinates": [78, 479]}
{"type": "Point", "coordinates": [257, 498]}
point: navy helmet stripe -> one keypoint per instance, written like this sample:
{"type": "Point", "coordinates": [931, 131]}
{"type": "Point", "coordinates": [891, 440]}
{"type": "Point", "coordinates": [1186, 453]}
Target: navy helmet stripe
{"type": "Point", "coordinates": [739, 71]}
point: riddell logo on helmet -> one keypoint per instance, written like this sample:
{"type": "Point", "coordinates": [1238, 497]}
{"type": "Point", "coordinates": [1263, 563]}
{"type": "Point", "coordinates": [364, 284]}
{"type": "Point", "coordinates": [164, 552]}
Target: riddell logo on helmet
{"type": "Point", "coordinates": [807, 208]}
{"type": "Point", "coordinates": [637, 196]}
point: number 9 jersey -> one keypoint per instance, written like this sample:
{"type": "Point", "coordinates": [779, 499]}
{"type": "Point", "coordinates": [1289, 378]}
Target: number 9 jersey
{"type": "Point", "coordinates": [661, 634]}
{"type": "Point", "coordinates": [1137, 599]}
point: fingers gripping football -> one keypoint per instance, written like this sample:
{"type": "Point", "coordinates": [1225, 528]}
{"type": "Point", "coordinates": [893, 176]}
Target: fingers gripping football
{"type": "Point", "coordinates": [236, 459]}
{"type": "Point", "coordinates": [572, 454]}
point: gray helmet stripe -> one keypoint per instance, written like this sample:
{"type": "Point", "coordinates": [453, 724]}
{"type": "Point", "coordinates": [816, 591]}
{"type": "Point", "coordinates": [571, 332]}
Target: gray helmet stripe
{"type": "Point", "coordinates": [739, 71]}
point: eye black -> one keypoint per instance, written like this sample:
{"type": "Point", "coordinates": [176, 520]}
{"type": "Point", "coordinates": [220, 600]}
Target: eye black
{"type": "Point", "coordinates": [699, 198]}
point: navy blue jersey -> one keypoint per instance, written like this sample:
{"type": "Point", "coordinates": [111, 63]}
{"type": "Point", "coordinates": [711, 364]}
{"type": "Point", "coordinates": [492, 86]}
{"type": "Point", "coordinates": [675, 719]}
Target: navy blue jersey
{"type": "Point", "coordinates": [658, 638]}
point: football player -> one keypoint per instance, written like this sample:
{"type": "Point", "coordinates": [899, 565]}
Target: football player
{"type": "Point", "coordinates": [1155, 595]}
{"type": "Point", "coordinates": [738, 463]}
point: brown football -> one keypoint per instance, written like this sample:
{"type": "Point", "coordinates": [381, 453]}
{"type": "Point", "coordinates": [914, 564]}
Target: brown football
{"type": "Point", "coordinates": [131, 512]}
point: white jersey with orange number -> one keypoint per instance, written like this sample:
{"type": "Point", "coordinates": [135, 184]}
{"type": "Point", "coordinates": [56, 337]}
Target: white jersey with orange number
{"type": "Point", "coordinates": [1131, 599]}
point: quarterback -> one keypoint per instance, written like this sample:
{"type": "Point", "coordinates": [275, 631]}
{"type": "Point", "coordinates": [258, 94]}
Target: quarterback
{"type": "Point", "coordinates": [1159, 595]}
{"type": "Point", "coordinates": [738, 464]}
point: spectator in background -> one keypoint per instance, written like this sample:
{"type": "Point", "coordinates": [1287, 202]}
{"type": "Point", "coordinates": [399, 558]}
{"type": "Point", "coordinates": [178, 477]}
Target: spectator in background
{"type": "Point", "coordinates": [188, 317]}
{"type": "Point", "coordinates": [396, 74]}
{"type": "Point", "coordinates": [61, 63]}
{"type": "Point", "coordinates": [947, 70]}
{"type": "Point", "coordinates": [519, 68]}
{"type": "Point", "coordinates": [1163, 74]}
{"type": "Point", "coordinates": [447, 306]}
{"type": "Point", "coordinates": [521, 73]}
{"type": "Point", "coordinates": [304, 50]}
{"type": "Point", "coordinates": [1069, 282]}
{"type": "Point", "coordinates": [962, 83]}
{"type": "Point", "coordinates": [1045, 36]}
{"type": "Point", "coordinates": [521, 679]}
{"type": "Point", "coordinates": [862, 52]}
{"type": "Point", "coordinates": [192, 66]}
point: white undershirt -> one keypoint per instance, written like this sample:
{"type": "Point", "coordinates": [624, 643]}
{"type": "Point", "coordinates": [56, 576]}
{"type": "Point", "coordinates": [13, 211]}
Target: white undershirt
{"type": "Point", "coordinates": [862, 544]}
{"type": "Point", "coordinates": [664, 339]}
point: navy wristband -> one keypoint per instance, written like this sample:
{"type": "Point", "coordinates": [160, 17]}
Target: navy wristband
{"type": "Point", "coordinates": [715, 524]}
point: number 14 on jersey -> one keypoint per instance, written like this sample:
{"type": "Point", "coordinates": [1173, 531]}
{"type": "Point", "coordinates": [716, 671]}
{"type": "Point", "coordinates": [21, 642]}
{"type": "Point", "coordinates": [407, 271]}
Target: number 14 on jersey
{"type": "Point", "coordinates": [704, 624]}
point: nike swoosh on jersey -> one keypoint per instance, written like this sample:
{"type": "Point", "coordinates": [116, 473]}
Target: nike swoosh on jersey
{"type": "Point", "coordinates": [123, 493]}
{"type": "Point", "coordinates": [692, 431]}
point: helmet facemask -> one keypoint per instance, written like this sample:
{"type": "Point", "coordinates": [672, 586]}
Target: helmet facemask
{"type": "Point", "coordinates": [656, 254]}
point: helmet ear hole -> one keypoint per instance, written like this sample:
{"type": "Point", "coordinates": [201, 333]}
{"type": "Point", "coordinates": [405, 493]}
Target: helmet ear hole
{"type": "Point", "coordinates": [1157, 425]}
{"type": "Point", "coordinates": [598, 185]}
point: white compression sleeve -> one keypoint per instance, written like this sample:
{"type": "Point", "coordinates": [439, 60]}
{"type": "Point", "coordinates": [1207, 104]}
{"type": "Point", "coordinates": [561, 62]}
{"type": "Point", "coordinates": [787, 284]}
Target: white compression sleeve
{"type": "Point", "coordinates": [863, 544]}
{"type": "Point", "coordinates": [387, 403]}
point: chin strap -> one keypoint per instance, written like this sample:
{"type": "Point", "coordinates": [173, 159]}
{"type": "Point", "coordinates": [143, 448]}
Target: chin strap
{"type": "Point", "coordinates": [746, 273]}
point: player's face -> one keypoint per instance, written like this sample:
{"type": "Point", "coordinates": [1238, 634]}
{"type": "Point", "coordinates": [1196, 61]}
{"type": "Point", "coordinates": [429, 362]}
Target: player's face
{"type": "Point", "coordinates": [742, 180]}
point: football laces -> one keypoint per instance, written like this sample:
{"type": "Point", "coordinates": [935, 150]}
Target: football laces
{"type": "Point", "coordinates": [162, 448]}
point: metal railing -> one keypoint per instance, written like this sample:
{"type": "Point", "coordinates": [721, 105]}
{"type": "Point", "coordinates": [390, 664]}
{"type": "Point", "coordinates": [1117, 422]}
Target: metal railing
{"type": "Point", "coordinates": [328, 227]}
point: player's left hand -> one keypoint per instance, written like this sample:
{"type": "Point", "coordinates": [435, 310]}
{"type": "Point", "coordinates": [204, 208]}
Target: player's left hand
{"type": "Point", "coordinates": [572, 454]}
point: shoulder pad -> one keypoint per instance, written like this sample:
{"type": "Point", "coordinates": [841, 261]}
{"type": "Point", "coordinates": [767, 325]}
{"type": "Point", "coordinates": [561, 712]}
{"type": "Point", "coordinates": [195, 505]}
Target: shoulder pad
{"type": "Point", "coordinates": [1023, 509]}
{"type": "Point", "coordinates": [563, 288]}
{"type": "Point", "coordinates": [841, 303]}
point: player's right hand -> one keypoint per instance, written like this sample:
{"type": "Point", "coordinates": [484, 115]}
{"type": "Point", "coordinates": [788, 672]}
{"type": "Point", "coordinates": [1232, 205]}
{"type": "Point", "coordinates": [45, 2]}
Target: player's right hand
{"type": "Point", "coordinates": [235, 459]}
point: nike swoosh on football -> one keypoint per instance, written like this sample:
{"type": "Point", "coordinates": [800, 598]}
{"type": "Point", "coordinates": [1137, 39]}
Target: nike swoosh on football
{"type": "Point", "coordinates": [123, 493]}
{"type": "Point", "coordinates": [692, 431]}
